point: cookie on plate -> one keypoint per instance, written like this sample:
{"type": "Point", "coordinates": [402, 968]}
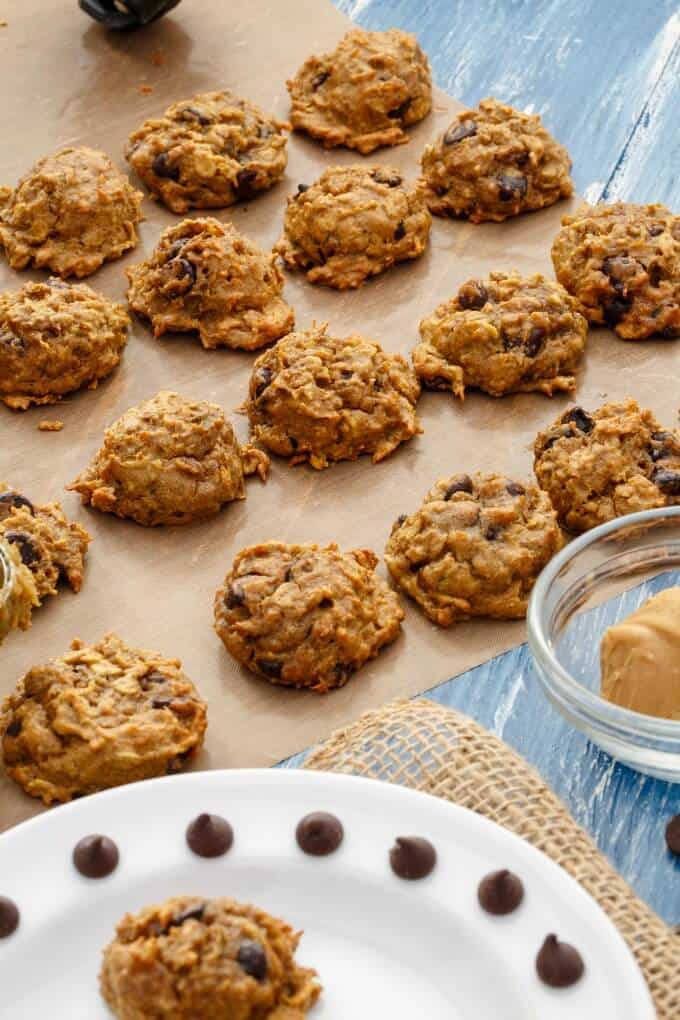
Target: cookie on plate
{"type": "Point", "coordinates": [494, 162]}
{"type": "Point", "coordinates": [622, 263]}
{"type": "Point", "coordinates": [198, 959]}
{"type": "Point", "coordinates": [503, 334]}
{"type": "Point", "coordinates": [99, 716]}
{"type": "Point", "coordinates": [57, 337]}
{"type": "Point", "coordinates": [474, 548]}
{"type": "Point", "coordinates": [353, 223]}
{"type": "Point", "coordinates": [319, 398]}
{"type": "Point", "coordinates": [18, 595]}
{"type": "Point", "coordinates": [365, 93]}
{"type": "Point", "coordinates": [208, 152]}
{"type": "Point", "coordinates": [303, 615]}
{"type": "Point", "coordinates": [599, 465]}
{"type": "Point", "coordinates": [169, 461]}
{"type": "Point", "coordinates": [73, 211]}
{"type": "Point", "coordinates": [206, 277]}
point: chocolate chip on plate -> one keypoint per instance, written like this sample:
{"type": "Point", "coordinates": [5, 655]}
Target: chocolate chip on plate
{"type": "Point", "coordinates": [319, 834]}
{"type": "Point", "coordinates": [209, 835]}
{"type": "Point", "coordinates": [95, 856]}
{"type": "Point", "coordinates": [500, 892]}
{"type": "Point", "coordinates": [580, 418]}
{"type": "Point", "coordinates": [11, 500]}
{"type": "Point", "coordinates": [9, 917]}
{"type": "Point", "coordinates": [472, 295]}
{"type": "Point", "coordinates": [511, 187]}
{"type": "Point", "coordinates": [461, 483]}
{"type": "Point", "coordinates": [253, 959]}
{"type": "Point", "coordinates": [459, 132]}
{"type": "Point", "coordinates": [412, 857]}
{"type": "Point", "coordinates": [558, 964]}
{"type": "Point", "coordinates": [673, 835]}
{"type": "Point", "coordinates": [162, 167]}
{"type": "Point", "coordinates": [27, 550]}
{"type": "Point", "coordinates": [668, 481]}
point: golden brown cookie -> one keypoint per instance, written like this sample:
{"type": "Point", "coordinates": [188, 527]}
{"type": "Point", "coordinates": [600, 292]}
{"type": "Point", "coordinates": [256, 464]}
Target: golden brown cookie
{"type": "Point", "coordinates": [613, 461]}
{"type": "Point", "coordinates": [18, 595]}
{"type": "Point", "coordinates": [503, 334]}
{"type": "Point", "coordinates": [622, 262]}
{"type": "Point", "coordinates": [305, 616]}
{"type": "Point", "coordinates": [99, 716]}
{"type": "Point", "coordinates": [353, 223]}
{"type": "Point", "coordinates": [494, 162]}
{"type": "Point", "coordinates": [57, 337]}
{"type": "Point", "coordinates": [71, 212]}
{"type": "Point", "coordinates": [474, 548]}
{"type": "Point", "coordinates": [195, 959]}
{"type": "Point", "coordinates": [364, 93]}
{"type": "Point", "coordinates": [318, 398]}
{"type": "Point", "coordinates": [208, 152]}
{"type": "Point", "coordinates": [206, 277]}
{"type": "Point", "coordinates": [169, 461]}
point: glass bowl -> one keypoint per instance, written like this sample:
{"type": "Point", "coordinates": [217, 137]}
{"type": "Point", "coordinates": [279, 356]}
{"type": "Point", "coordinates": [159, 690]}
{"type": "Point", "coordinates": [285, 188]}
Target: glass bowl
{"type": "Point", "coordinates": [595, 581]}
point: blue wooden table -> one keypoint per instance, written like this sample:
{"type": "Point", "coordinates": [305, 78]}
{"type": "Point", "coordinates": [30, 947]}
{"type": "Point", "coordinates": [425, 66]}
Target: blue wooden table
{"type": "Point", "coordinates": [606, 78]}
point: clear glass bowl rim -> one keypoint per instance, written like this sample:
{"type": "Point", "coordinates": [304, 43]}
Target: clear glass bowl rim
{"type": "Point", "coordinates": [6, 576]}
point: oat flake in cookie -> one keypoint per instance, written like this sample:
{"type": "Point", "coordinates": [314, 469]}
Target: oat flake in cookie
{"type": "Point", "coordinates": [353, 223]}
{"type": "Point", "coordinates": [504, 334]}
{"type": "Point", "coordinates": [364, 93]}
{"type": "Point", "coordinates": [56, 337]}
{"type": "Point", "coordinates": [318, 398]}
{"type": "Point", "coordinates": [196, 959]}
{"type": "Point", "coordinates": [206, 277]}
{"type": "Point", "coordinates": [73, 211]}
{"type": "Point", "coordinates": [494, 162]}
{"type": "Point", "coordinates": [622, 262]}
{"type": "Point", "coordinates": [97, 717]}
{"type": "Point", "coordinates": [305, 616]}
{"type": "Point", "coordinates": [599, 465]}
{"type": "Point", "coordinates": [169, 461]}
{"type": "Point", "coordinates": [474, 548]}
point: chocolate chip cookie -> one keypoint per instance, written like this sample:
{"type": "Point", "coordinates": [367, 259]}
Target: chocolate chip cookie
{"type": "Point", "coordinates": [318, 398]}
{"type": "Point", "coordinates": [353, 223]}
{"type": "Point", "coordinates": [504, 334]}
{"type": "Point", "coordinates": [209, 152]}
{"type": "Point", "coordinates": [169, 461]}
{"type": "Point", "coordinates": [195, 959]}
{"type": "Point", "coordinates": [205, 276]}
{"type": "Point", "coordinates": [305, 616]}
{"type": "Point", "coordinates": [599, 465]}
{"type": "Point", "coordinates": [622, 262]}
{"type": "Point", "coordinates": [18, 597]}
{"type": "Point", "coordinates": [73, 211]}
{"type": "Point", "coordinates": [365, 93]}
{"type": "Point", "coordinates": [474, 548]}
{"type": "Point", "coordinates": [494, 162]}
{"type": "Point", "coordinates": [57, 337]}
{"type": "Point", "coordinates": [99, 716]}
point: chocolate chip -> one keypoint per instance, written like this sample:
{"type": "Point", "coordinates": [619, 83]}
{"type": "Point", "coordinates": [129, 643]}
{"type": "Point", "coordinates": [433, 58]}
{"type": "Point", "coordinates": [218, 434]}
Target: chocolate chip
{"type": "Point", "coordinates": [385, 177]}
{"type": "Point", "coordinates": [190, 914]}
{"type": "Point", "coordinates": [319, 79]}
{"type": "Point", "coordinates": [655, 274]}
{"type": "Point", "coordinates": [343, 671]}
{"type": "Point", "coordinates": [400, 111]}
{"type": "Point", "coordinates": [151, 678]}
{"type": "Point", "coordinates": [558, 964]}
{"type": "Point", "coordinates": [617, 268]}
{"type": "Point", "coordinates": [186, 270]}
{"type": "Point", "coordinates": [319, 834]}
{"type": "Point", "coordinates": [302, 188]}
{"type": "Point", "coordinates": [472, 295]}
{"type": "Point", "coordinates": [400, 520]}
{"type": "Point", "coordinates": [162, 167]}
{"type": "Point", "coordinates": [209, 835]}
{"type": "Point", "coordinates": [412, 857]}
{"type": "Point", "coordinates": [11, 500]}
{"type": "Point", "coordinates": [437, 382]}
{"type": "Point", "coordinates": [27, 550]}
{"type": "Point", "coordinates": [245, 181]}
{"type": "Point", "coordinates": [522, 159]}
{"type": "Point", "coordinates": [534, 342]}
{"type": "Point", "coordinates": [500, 893]}
{"type": "Point", "coordinates": [346, 373]}
{"type": "Point", "coordinates": [9, 917]}
{"type": "Point", "coordinates": [670, 332]}
{"type": "Point", "coordinates": [459, 132]}
{"type": "Point", "coordinates": [673, 835]}
{"type": "Point", "coordinates": [668, 481]}
{"type": "Point", "coordinates": [491, 532]}
{"type": "Point", "coordinates": [13, 728]}
{"type": "Point", "coordinates": [655, 230]}
{"type": "Point", "coordinates": [511, 187]}
{"type": "Point", "coordinates": [400, 231]}
{"type": "Point", "coordinates": [263, 376]}
{"type": "Point", "coordinates": [461, 483]}
{"type": "Point", "coordinates": [515, 489]}
{"type": "Point", "coordinates": [325, 603]}
{"type": "Point", "coordinates": [270, 667]}
{"type": "Point", "coordinates": [580, 418]}
{"type": "Point", "coordinates": [191, 113]}
{"type": "Point", "coordinates": [614, 309]}
{"type": "Point", "coordinates": [95, 856]}
{"type": "Point", "coordinates": [162, 701]}
{"type": "Point", "coordinates": [236, 596]}
{"type": "Point", "coordinates": [253, 959]}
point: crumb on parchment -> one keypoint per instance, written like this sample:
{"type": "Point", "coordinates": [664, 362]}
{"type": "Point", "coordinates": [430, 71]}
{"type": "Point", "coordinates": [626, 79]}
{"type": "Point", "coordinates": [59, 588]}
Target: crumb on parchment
{"type": "Point", "coordinates": [50, 426]}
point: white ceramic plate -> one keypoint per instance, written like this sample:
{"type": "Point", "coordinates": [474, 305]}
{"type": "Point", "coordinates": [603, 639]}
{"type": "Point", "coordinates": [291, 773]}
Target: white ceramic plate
{"type": "Point", "coordinates": [382, 946]}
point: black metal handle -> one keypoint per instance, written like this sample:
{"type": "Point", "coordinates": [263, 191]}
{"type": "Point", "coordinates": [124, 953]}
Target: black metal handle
{"type": "Point", "coordinates": [127, 13]}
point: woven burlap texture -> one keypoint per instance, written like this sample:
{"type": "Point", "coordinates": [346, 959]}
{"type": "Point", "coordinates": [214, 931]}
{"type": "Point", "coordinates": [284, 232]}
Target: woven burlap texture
{"type": "Point", "coordinates": [434, 749]}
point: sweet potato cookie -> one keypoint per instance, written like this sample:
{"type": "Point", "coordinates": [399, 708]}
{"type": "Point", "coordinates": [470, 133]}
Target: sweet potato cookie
{"type": "Point", "coordinates": [205, 276]}
{"type": "Point", "coordinates": [504, 334]}
{"type": "Point", "coordinates": [305, 616]}
{"type": "Point", "coordinates": [494, 162]}
{"type": "Point", "coordinates": [364, 93]}
{"type": "Point", "coordinates": [318, 398]}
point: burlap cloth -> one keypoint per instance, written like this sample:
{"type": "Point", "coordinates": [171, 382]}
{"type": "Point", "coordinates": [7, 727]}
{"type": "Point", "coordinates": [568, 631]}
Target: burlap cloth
{"type": "Point", "coordinates": [434, 749]}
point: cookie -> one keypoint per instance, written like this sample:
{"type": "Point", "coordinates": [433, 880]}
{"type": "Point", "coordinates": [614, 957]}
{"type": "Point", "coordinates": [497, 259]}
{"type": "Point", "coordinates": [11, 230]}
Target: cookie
{"type": "Point", "coordinates": [503, 334]}
{"type": "Point", "coordinates": [353, 223]}
{"type": "Point", "coordinates": [208, 152]}
{"type": "Point", "coordinates": [55, 338]}
{"type": "Point", "coordinates": [494, 162]}
{"type": "Point", "coordinates": [305, 616]}
{"type": "Point", "coordinates": [18, 595]}
{"type": "Point", "coordinates": [365, 93]}
{"type": "Point", "coordinates": [72, 212]}
{"type": "Point", "coordinates": [474, 548]}
{"type": "Point", "coordinates": [318, 398]}
{"type": "Point", "coordinates": [622, 262]}
{"type": "Point", "coordinates": [205, 276]}
{"type": "Point", "coordinates": [199, 959]}
{"type": "Point", "coordinates": [99, 716]}
{"type": "Point", "coordinates": [169, 461]}
{"type": "Point", "coordinates": [599, 465]}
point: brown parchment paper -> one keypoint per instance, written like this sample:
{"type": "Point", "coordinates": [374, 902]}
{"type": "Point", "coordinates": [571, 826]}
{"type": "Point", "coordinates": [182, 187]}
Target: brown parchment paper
{"type": "Point", "coordinates": [66, 81]}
